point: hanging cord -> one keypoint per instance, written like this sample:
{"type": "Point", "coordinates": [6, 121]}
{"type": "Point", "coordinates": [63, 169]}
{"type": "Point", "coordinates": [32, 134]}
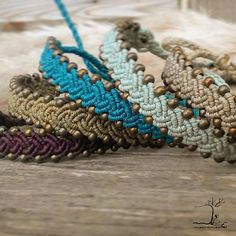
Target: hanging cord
{"type": "Point", "coordinates": [91, 62]}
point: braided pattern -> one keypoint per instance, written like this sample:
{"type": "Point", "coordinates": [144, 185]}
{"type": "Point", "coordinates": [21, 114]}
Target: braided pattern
{"type": "Point", "coordinates": [105, 99]}
{"type": "Point", "coordinates": [204, 89]}
{"type": "Point", "coordinates": [54, 113]}
{"type": "Point", "coordinates": [115, 53]}
{"type": "Point", "coordinates": [16, 143]}
{"type": "Point", "coordinates": [219, 64]}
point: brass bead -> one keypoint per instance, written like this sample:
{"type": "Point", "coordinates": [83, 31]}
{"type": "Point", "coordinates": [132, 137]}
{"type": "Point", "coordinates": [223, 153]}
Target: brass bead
{"type": "Point", "coordinates": [217, 122]}
{"type": "Point", "coordinates": [158, 91]}
{"type": "Point", "coordinates": [219, 133]}
{"type": "Point", "coordinates": [91, 110]}
{"type": "Point", "coordinates": [41, 132]}
{"type": "Point", "coordinates": [149, 120]}
{"type": "Point", "coordinates": [55, 158]}
{"type": "Point", "coordinates": [219, 159]}
{"type": "Point", "coordinates": [192, 148]}
{"type": "Point", "coordinates": [64, 59]}
{"type": "Point", "coordinates": [205, 154]}
{"type": "Point", "coordinates": [177, 140]}
{"type": "Point", "coordinates": [148, 79]}
{"type": "Point", "coordinates": [85, 153]}
{"type": "Point", "coordinates": [59, 102]}
{"type": "Point", "coordinates": [73, 106]}
{"type": "Point", "coordinates": [28, 121]}
{"type": "Point", "coordinates": [173, 103]}
{"type": "Point", "coordinates": [11, 156]}
{"type": "Point", "coordinates": [39, 159]}
{"type": "Point", "coordinates": [164, 130]}
{"type": "Point", "coordinates": [48, 128]}
{"type": "Point", "coordinates": [133, 131]}
{"type": "Point", "coordinates": [109, 86]}
{"type": "Point", "coordinates": [139, 67]}
{"type": "Point", "coordinates": [28, 132]}
{"type": "Point", "coordinates": [187, 113]}
{"type": "Point", "coordinates": [232, 132]}
{"type": "Point", "coordinates": [71, 66]}
{"type": "Point", "coordinates": [119, 124]}
{"type": "Point", "coordinates": [23, 158]}
{"type": "Point", "coordinates": [172, 144]}
{"type": "Point", "coordinates": [125, 45]}
{"type": "Point", "coordinates": [92, 137]}
{"type": "Point", "coordinates": [223, 89]}
{"type": "Point", "coordinates": [114, 148]}
{"type": "Point", "coordinates": [117, 83]}
{"type": "Point", "coordinates": [188, 64]}
{"type": "Point", "coordinates": [36, 95]}
{"type": "Point", "coordinates": [58, 87]}
{"type": "Point", "coordinates": [77, 134]}
{"type": "Point", "coordinates": [100, 151]}
{"type": "Point", "coordinates": [135, 26]}
{"type": "Point", "coordinates": [132, 56]}
{"type": "Point", "coordinates": [135, 107]}
{"type": "Point", "coordinates": [197, 71]}
{"type": "Point", "coordinates": [147, 136]}
{"type": "Point", "coordinates": [203, 123]}
{"type": "Point", "coordinates": [95, 78]}
{"type": "Point", "coordinates": [78, 102]}
{"type": "Point", "coordinates": [202, 113]}
{"type": "Point", "coordinates": [47, 98]}
{"type": "Point", "coordinates": [121, 142]}
{"type": "Point", "coordinates": [82, 72]}
{"type": "Point", "coordinates": [208, 81]}
{"type": "Point", "coordinates": [13, 130]}
{"type": "Point", "coordinates": [104, 116]}
{"type": "Point", "coordinates": [106, 139]}
{"type": "Point", "coordinates": [57, 52]}
{"type": "Point", "coordinates": [124, 95]}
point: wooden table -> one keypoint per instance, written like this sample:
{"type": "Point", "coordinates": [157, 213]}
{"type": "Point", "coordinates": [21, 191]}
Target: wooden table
{"type": "Point", "coordinates": [130, 192]}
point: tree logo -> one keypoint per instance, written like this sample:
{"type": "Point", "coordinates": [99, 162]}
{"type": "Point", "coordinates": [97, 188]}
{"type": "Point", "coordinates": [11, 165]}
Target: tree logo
{"type": "Point", "coordinates": [214, 217]}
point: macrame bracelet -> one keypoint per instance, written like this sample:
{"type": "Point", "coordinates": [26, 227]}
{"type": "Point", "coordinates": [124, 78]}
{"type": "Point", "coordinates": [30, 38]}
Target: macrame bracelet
{"type": "Point", "coordinates": [22, 142]}
{"type": "Point", "coordinates": [204, 90]}
{"type": "Point", "coordinates": [37, 102]}
{"type": "Point", "coordinates": [104, 100]}
{"type": "Point", "coordinates": [199, 56]}
{"type": "Point", "coordinates": [157, 104]}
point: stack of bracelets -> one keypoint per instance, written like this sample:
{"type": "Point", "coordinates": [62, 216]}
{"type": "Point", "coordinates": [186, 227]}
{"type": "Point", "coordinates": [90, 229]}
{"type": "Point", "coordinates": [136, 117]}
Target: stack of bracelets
{"type": "Point", "coordinates": [70, 111]}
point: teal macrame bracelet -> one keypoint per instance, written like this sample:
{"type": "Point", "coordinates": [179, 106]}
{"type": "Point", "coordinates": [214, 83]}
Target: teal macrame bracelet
{"type": "Point", "coordinates": [158, 105]}
{"type": "Point", "coordinates": [105, 99]}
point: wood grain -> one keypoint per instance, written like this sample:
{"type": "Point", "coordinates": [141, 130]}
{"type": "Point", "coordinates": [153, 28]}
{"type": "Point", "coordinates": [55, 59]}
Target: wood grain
{"type": "Point", "coordinates": [131, 192]}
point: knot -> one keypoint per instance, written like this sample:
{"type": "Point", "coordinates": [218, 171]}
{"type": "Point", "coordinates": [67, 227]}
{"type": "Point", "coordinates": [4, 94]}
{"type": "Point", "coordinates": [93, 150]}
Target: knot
{"type": "Point", "coordinates": [223, 62]}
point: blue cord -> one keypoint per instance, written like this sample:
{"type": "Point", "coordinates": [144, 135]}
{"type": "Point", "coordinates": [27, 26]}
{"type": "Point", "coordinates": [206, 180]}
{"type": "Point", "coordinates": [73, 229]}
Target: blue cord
{"type": "Point", "coordinates": [91, 62]}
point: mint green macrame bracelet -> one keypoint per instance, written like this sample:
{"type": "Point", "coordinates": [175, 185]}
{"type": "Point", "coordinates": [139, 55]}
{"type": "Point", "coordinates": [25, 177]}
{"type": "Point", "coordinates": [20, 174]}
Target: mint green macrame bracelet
{"type": "Point", "coordinates": [157, 104]}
